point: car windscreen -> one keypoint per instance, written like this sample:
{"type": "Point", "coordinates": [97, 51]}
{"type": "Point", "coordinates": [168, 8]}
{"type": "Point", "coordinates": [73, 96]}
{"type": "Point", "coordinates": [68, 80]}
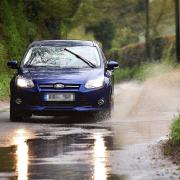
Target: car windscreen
{"type": "Point", "coordinates": [52, 56]}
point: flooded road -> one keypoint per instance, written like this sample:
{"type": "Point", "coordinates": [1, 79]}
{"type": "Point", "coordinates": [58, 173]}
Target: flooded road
{"type": "Point", "coordinates": [120, 148]}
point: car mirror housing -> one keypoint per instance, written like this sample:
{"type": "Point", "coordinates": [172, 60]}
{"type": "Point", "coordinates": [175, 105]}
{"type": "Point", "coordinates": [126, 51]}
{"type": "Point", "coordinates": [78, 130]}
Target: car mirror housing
{"type": "Point", "coordinates": [111, 65]}
{"type": "Point", "coordinates": [12, 65]}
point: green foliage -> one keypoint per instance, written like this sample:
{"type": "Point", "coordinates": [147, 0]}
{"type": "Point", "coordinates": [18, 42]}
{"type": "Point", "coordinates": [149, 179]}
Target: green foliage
{"type": "Point", "coordinates": [125, 15]}
{"type": "Point", "coordinates": [4, 85]}
{"type": "Point", "coordinates": [135, 73]}
{"type": "Point", "coordinates": [129, 56]}
{"type": "Point", "coordinates": [58, 8]}
{"type": "Point", "coordinates": [51, 16]}
{"type": "Point", "coordinates": [23, 21]}
{"type": "Point", "coordinates": [14, 42]}
{"type": "Point", "coordinates": [144, 71]}
{"type": "Point", "coordinates": [162, 48]}
{"type": "Point", "coordinates": [123, 74]}
{"type": "Point", "coordinates": [124, 37]}
{"type": "Point", "coordinates": [175, 131]}
{"type": "Point", "coordinates": [162, 18]}
{"type": "Point", "coordinates": [103, 32]}
{"type": "Point", "coordinates": [79, 33]}
{"type": "Point", "coordinates": [3, 57]}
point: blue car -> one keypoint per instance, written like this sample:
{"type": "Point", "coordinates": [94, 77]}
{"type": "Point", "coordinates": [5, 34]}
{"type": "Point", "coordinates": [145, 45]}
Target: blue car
{"type": "Point", "coordinates": [61, 76]}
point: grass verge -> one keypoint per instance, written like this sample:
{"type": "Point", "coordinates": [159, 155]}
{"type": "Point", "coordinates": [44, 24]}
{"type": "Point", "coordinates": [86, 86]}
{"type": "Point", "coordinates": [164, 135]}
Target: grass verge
{"type": "Point", "coordinates": [175, 131]}
{"type": "Point", "coordinates": [143, 71]}
{"type": "Point", "coordinates": [4, 86]}
{"type": "Point", "coordinates": [171, 148]}
{"type": "Point", "coordinates": [125, 74]}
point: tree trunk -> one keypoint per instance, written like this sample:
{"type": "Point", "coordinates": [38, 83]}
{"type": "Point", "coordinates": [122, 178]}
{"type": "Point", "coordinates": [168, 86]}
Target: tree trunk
{"type": "Point", "coordinates": [177, 13]}
{"type": "Point", "coordinates": [148, 50]}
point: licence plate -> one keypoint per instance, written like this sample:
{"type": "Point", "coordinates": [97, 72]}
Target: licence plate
{"type": "Point", "coordinates": [60, 97]}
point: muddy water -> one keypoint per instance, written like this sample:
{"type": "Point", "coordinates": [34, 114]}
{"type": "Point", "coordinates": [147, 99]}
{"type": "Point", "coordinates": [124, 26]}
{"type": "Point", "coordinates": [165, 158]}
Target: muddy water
{"type": "Point", "coordinates": [118, 148]}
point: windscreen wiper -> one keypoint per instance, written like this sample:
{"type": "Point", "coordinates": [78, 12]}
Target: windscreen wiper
{"type": "Point", "coordinates": [83, 59]}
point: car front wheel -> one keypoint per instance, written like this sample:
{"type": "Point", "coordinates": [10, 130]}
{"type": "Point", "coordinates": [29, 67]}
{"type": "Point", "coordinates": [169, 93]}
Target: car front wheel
{"type": "Point", "coordinates": [17, 116]}
{"type": "Point", "coordinates": [14, 115]}
{"type": "Point", "coordinates": [110, 108]}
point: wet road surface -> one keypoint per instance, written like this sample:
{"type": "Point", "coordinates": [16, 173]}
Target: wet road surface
{"type": "Point", "coordinates": [120, 148]}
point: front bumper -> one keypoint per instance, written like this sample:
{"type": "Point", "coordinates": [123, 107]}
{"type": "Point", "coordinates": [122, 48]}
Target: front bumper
{"type": "Point", "coordinates": [33, 100]}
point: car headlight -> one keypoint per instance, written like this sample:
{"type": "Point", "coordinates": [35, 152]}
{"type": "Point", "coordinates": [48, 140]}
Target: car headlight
{"type": "Point", "coordinates": [97, 83]}
{"type": "Point", "coordinates": [24, 82]}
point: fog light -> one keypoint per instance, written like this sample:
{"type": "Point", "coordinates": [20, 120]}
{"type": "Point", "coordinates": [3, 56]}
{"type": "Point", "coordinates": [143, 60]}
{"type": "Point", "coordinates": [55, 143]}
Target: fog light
{"type": "Point", "coordinates": [18, 101]}
{"type": "Point", "coordinates": [100, 102]}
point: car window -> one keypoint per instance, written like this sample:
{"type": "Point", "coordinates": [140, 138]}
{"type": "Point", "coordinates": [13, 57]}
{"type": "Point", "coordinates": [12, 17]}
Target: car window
{"type": "Point", "coordinates": [57, 56]}
{"type": "Point", "coordinates": [103, 56]}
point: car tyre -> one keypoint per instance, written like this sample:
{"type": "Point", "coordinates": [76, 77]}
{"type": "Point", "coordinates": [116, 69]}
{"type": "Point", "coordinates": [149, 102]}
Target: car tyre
{"type": "Point", "coordinates": [14, 114]}
{"type": "Point", "coordinates": [108, 112]}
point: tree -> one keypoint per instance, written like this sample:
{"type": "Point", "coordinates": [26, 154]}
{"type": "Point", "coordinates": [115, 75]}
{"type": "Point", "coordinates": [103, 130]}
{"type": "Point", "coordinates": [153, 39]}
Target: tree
{"type": "Point", "coordinates": [14, 42]}
{"type": "Point", "coordinates": [103, 32]}
{"type": "Point", "coordinates": [51, 14]}
{"type": "Point", "coordinates": [124, 36]}
{"type": "Point", "coordinates": [147, 31]}
{"type": "Point", "coordinates": [177, 6]}
{"type": "Point", "coordinates": [122, 14]}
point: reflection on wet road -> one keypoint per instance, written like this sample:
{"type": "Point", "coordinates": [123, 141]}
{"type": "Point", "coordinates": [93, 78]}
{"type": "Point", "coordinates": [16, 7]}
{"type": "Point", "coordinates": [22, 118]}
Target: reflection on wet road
{"type": "Point", "coordinates": [21, 155]}
{"type": "Point", "coordinates": [100, 169]}
{"type": "Point", "coordinates": [57, 151]}
{"type": "Point", "coordinates": [46, 148]}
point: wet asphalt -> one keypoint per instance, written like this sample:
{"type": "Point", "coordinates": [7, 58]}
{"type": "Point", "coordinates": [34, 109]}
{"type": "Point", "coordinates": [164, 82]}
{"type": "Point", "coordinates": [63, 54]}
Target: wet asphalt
{"type": "Point", "coordinates": [120, 148]}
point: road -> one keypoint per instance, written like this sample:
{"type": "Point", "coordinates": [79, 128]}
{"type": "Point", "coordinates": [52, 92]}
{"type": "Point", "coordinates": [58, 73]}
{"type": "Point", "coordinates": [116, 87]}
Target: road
{"type": "Point", "coordinates": [120, 148]}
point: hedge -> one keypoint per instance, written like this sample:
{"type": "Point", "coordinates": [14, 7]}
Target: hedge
{"type": "Point", "coordinates": [135, 54]}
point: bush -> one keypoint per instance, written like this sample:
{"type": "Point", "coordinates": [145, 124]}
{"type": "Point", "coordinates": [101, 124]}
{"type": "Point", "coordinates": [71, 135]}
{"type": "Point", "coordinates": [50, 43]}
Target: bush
{"type": "Point", "coordinates": [4, 86]}
{"type": "Point", "coordinates": [3, 57]}
{"type": "Point", "coordinates": [103, 32]}
{"type": "Point", "coordinates": [175, 131]}
{"type": "Point", "coordinates": [129, 56]}
{"type": "Point", "coordinates": [123, 74]}
{"type": "Point", "coordinates": [144, 71]}
{"type": "Point", "coordinates": [124, 36]}
{"type": "Point", "coordinates": [135, 54]}
{"type": "Point", "coordinates": [14, 42]}
{"type": "Point", "coordinates": [136, 73]}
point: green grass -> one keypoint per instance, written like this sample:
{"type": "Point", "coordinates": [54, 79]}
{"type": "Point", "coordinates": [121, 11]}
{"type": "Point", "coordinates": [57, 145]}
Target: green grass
{"type": "Point", "coordinates": [4, 86]}
{"type": "Point", "coordinates": [143, 71]}
{"type": "Point", "coordinates": [175, 131]}
{"type": "Point", "coordinates": [125, 74]}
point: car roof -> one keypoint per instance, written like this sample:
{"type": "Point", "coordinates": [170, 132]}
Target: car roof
{"type": "Point", "coordinates": [62, 43]}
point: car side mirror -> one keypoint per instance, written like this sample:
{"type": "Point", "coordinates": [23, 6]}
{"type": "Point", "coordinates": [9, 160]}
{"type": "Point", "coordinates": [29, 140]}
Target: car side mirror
{"type": "Point", "coordinates": [12, 65]}
{"type": "Point", "coordinates": [111, 65]}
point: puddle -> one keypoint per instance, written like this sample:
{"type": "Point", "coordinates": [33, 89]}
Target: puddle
{"type": "Point", "coordinates": [78, 156]}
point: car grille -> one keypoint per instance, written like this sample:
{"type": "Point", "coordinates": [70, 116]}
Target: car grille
{"type": "Point", "coordinates": [80, 100]}
{"type": "Point", "coordinates": [66, 86]}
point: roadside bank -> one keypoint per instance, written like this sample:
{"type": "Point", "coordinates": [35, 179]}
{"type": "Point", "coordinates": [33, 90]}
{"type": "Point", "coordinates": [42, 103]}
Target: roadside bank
{"type": "Point", "coordinates": [4, 105]}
